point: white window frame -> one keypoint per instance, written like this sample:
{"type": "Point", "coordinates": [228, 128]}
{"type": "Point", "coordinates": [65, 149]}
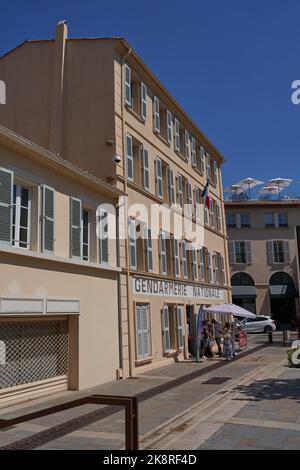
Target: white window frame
{"type": "Point", "coordinates": [127, 85]}
{"type": "Point", "coordinates": [16, 241]}
{"type": "Point", "coordinates": [169, 127]}
{"type": "Point", "coordinates": [156, 115]}
{"type": "Point", "coordinates": [143, 101]}
{"type": "Point", "coordinates": [89, 234]}
{"type": "Point", "coordinates": [189, 197]}
{"type": "Point", "coordinates": [103, 220]}
{"type": "Point", "coordinates": [216, 268]}
{"type": "Point", "coordinates": [209, 267]}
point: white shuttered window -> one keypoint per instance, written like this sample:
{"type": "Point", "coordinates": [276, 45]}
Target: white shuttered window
{"type": "Point", "coordinates": [127, 85]}
{"type": "Point", "coordinates": [166, 329]}
{"type": "Point", "coordinates": [129, 159]}
{"type": "Point", "coordinates": [143, 101]}
{"type": "Point", "coordinates": [156, 116]}
{"type": "Point", "coordinates": [142, 332]}
{"type": "Point", "coordinates": [179, 314]}
{"type": "Point", "coordinates": [48, 220]}
{"type": "Point", "coordinates": [169, 127]}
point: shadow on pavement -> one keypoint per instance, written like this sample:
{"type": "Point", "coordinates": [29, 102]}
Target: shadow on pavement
{"type": "Point", "coordinates": [270, 389]}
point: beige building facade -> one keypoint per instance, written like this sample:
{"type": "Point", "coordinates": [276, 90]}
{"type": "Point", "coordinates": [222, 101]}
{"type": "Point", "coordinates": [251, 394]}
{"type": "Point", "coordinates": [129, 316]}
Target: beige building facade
{"type": "Point", "coordinates": [96, 104]}
{"type": "Point", "coordinates": [263, 253]}
{"type": "Point", "coordinates": [59, 283]}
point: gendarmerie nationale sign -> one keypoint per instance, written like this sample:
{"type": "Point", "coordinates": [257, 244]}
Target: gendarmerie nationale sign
{"type": "Point", "coordinates": [158, 287]}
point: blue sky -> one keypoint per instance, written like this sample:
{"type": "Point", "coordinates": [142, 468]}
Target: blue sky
{"type": "Point", "coordinates": [229, 64]}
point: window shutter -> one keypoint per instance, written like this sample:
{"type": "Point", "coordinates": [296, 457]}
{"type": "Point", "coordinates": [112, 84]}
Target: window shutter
{"type": "Point", "coordinates": [145, 331]}
{"type": "Point", "coordinates": [76, 212]}
{"type": "Point", "coordinates": [201, 265]}
{"type": "Point", "coordinates": [169, 127]}
{"type": "Point", "coordinates": [163, 253]}
{"type": "Point", "coordinates": [6, 201]}
{"type": "Point", "coordinates": [149, 251]}
{"type": "Point", "coordinates": [166, 329]}
{"type": "Point", "coordinates": [270, 252]}
{"type": "Point", "coordinates": [127, 84]}
{"type": "Point", "coordinates": [184, 259]}
{"type": "Point", "coordinates": [180, 190]}
{"type": "Point", "coordinates": [171, 186]}
{"type": "Point", "coordinates": [187, 144]}
{"type": "Point", "coordinates": [179, 328]}
{"type": "Point", "coordinates": [177, 137]}
{"type": "Point", "coordinates": [176, 256]}
{"type": "Point", "coordinates": [143, 101]}
{"type": "Point", "coordinates": [202, 160]}
{"type": "Point", "coordinates": [146, 168]}
{"type": "Point", "coordinates": [194, 264]}
{"type": "Point", "coordinates": [48, 220]}
{"type": "Point", "coordinates": [208, 170]}
{"type": "Point", "coordinates": [248, 253]}
{"type": "Point", "coordinates": [129, 151]}
{"type": "Point", "coordinates": [132, 244]}
{"type": "Point", "coordinates": [219, 223]}
{"type": "Point", "coordinates": [286, 251]}
{"type": "Point", "coordinates": [231, 252]}
{"type": "Point", "coordinates": [215, 172]}
{"type": "Point", "coordinates": [104, 252]}
{"type": "Point", "coordinates": [156, 117]}
{"type": "Point", "coordinates": [159, 182]}
{"type": "Point", "coordinates": [193, 152]}
{"type": "Point", "coordinates": [139, 331]}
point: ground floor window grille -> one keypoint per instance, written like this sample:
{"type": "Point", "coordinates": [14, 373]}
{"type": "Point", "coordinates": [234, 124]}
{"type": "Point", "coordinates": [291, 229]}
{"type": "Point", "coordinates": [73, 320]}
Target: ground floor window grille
{"type": "Point", "coordinates": [32, 351]}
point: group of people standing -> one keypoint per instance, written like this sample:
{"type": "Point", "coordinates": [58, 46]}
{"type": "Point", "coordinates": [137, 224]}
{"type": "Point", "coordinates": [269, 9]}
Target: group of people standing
{"type": "Point", "coordinates": [223, 336]}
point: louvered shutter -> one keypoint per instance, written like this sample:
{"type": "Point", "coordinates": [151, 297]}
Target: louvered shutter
{"type": "Point", "coordinates": [127, 85]}
{"type": "Point", "coordinates": [179, 328]}
{"type": "Point", "coordinates": [76, 212]}
{"type": "Point", "coordinates": [156, 116]}
{"type": "Point", "coordinates": [146, 168]}
{"type": "Point", "coordinates": [129, 159]}
{"type": "Point", "coordinates": [169, 127]}
{"type": "Point", "coordinates": [145, 331]}
{"type": "Point", "coordinates": [6, 201]}
{"type": "Point", "coordinates": [286, 251]}
{"type": "Point", "coordinates": [139, 331]}
{"type": "Point", "coordinates": [270, 252]}
{"type": "Point", "coordinates": [149, 251]}
{"type": "Point", "coordinates": [166, 329]}
{"type": "Point", "coordinates": [231, 246]}
{"type": "Point", "coordinates": [48, 220]}
{"type": "Point", "coordinates": [104, 248]}
{"type": "Point", "coordinates": [248, 253]}
{"type": "Point", "coordinates": [171, 186]}
{"type": "Point", "coordinates": [143, 101]}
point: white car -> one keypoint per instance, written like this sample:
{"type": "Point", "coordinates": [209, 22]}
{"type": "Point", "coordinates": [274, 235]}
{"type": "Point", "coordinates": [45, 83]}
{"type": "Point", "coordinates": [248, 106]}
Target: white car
{"type": "Point", "coordinates": [260, 324]}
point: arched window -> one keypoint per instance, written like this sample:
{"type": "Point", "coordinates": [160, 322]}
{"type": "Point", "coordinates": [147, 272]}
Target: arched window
{"type": "Point", "coordinates": [281, 278]}
{"type": "Point", "coordinates": [242, 279]}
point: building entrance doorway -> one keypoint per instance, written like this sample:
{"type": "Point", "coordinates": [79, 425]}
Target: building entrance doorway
{"type": "Point", "coordinates": [282, 299]}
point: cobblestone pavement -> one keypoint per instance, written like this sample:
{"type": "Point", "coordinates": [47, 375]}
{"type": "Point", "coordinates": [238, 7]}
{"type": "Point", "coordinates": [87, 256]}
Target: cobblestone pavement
{"type": "Point", "coordinates": [254, 403]}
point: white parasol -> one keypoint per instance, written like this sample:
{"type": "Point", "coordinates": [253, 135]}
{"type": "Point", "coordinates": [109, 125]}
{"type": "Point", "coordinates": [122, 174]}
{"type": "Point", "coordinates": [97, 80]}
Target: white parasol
{"type": "Point", "coordinates": [231, 309]}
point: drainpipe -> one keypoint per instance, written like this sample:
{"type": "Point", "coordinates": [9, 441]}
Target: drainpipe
{"type": "Point", "coordinates": [130, 349]}
{"type": "Point", "coordinates": [119, 294]}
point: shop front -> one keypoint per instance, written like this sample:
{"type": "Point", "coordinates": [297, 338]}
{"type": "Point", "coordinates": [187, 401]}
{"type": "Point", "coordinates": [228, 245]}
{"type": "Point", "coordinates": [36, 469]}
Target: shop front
{"type": "Point", "coordinates": [165, 318]}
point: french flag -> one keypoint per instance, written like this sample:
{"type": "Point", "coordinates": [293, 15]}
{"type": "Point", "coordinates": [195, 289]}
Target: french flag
{"type": "Point", "coordinates": [205, 195]}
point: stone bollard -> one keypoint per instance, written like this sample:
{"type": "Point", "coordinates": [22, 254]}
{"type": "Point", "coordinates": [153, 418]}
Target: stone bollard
{"type": "Point", "coordinates": [270, 337]}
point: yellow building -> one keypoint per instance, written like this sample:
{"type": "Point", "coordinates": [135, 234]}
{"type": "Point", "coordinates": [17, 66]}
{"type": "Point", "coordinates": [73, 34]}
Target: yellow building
{"type": "Point", "coordinates": [96, 104]}
{"type": "Point", "coordinates": [59, 283]}
{"type": "Point", "coordinates": [263, 256]}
